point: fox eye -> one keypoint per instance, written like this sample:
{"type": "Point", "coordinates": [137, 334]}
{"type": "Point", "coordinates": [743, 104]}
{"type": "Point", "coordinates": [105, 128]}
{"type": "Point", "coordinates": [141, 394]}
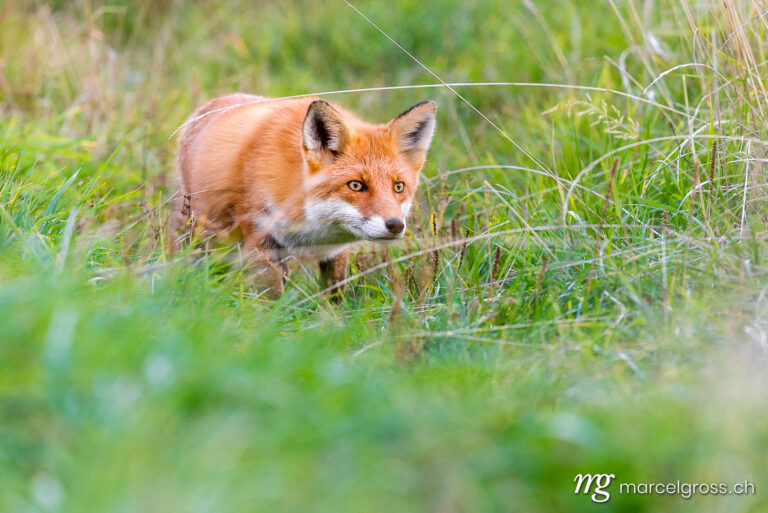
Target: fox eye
{"type": "Point", "coordinates": [357, 186]}
{"type": "Point", "coordinates": [399, 187]}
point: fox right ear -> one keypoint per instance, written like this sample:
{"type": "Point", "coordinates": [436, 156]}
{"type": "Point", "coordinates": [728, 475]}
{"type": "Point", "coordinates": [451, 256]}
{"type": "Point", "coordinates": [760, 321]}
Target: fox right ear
{"type": "Point", "coordinates": [323, 129]}
{"type": "Point", "coordinates": [413, 130]}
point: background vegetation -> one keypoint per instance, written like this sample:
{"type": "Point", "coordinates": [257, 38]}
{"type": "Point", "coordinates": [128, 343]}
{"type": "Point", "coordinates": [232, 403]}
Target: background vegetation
{"type": "Point", "coordinates": [582, 288]}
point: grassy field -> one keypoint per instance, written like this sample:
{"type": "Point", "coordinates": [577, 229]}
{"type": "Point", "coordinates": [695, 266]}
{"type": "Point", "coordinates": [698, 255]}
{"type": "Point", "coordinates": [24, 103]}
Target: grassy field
{"type": "Point", "coordinates": [582, 288]}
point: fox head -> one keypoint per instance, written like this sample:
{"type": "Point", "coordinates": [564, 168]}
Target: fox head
{"type": "Point", "coordinates": [362, 178]}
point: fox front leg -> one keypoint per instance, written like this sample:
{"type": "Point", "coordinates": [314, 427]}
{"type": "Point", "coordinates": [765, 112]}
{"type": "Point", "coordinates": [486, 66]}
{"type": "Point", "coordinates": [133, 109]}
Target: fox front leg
{"type": "Point", "coordinates": [269, 277]}
{"type": "Point", "coordinates": [267, 272]}
{"type": "Point", "coordinates": [334, 271]}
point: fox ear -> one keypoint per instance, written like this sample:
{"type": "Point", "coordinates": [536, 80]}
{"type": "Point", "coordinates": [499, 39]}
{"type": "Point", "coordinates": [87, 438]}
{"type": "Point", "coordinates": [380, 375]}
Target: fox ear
{"type": "Point", "coordinates": [413, 130]}
{"type": "Point", "coordinates": [323, 129]}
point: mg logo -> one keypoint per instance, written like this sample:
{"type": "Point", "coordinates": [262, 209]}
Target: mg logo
{"type": "Point", "coordinates": [601, 481]}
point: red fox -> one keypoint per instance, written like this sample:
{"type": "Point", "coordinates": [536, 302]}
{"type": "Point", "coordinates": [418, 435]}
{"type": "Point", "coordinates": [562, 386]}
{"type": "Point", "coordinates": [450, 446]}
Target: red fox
{"type": "Point", "coordinates": [297, 177]}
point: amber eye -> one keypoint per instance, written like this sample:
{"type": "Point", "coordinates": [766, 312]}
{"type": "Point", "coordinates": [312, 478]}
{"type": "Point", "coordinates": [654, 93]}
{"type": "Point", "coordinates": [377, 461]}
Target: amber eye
{"type": "Point", "coordinates": [399, 187]}
{"type": "Point", "coordinates": [356, 186]}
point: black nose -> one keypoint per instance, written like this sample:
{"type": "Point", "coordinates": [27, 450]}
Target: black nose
{"type": "Point", "coordinates": [394, 225]}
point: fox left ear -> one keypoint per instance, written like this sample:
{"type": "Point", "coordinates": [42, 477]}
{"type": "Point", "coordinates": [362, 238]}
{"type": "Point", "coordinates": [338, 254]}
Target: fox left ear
{"type": "Point", "coordinates": [413, 130]}
{"type": "Point", "coordinates": [323, 129]}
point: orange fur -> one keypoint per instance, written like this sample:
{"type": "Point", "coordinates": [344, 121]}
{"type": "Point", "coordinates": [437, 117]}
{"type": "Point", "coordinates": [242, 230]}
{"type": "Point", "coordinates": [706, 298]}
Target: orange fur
{"type": "Point", "coordinates": [275, 174]}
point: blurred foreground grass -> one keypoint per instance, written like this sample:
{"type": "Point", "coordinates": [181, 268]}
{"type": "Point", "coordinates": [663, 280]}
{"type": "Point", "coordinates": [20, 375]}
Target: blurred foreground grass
{"type": "Point", "coordinates": [607, 317]}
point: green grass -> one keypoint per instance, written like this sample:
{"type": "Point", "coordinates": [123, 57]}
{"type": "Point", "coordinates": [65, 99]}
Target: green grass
{"type": "Point", "coordinates": [582, 293]}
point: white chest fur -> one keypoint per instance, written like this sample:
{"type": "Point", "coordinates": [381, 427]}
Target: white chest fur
{"type": "Point", "coordinates": [326, 229]}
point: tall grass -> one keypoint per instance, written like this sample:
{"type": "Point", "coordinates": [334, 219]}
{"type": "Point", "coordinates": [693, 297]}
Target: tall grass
{"type": "Point", "coordinates": [582, 288]}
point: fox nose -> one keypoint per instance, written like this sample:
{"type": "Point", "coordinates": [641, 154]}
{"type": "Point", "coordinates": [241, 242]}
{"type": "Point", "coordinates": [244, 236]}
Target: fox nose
{"type": "Point", "coordinates": [395, 225]}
